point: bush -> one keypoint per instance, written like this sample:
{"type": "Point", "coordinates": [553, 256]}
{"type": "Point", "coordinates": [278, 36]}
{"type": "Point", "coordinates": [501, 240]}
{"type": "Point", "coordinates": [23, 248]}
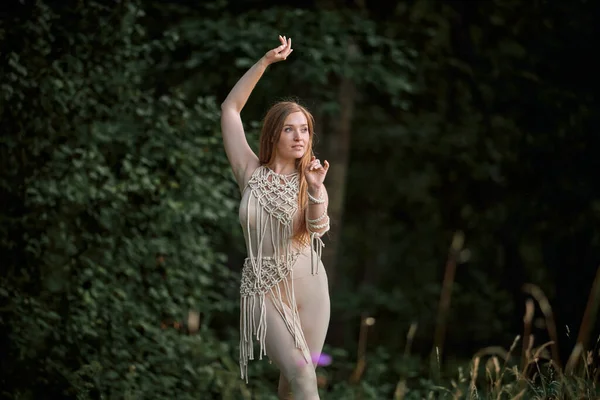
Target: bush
{"type": "Point", "coordinates": [116, 200]}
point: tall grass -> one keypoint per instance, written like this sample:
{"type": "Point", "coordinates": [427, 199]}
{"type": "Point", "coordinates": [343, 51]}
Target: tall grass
{"type": "Point", "coordinates": [495, 373]}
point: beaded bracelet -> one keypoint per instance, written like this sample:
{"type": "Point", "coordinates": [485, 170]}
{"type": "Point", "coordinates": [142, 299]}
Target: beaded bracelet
{"type": "Point", "coordinates": [320, 226]}
{"type": "Point", "coordinates": [313, 221]}
{"type": "Point", "coordinates": [314, 200]}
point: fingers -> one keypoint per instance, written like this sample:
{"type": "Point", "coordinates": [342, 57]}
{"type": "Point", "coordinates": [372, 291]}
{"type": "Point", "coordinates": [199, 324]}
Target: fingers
{"type": "Point", "coordinates": [285, 41]}
{"type": "Point", "coordinates": [285, 49]}
{"type": "Point", "coordinates": [315, 165]}
{"type": "Point", "coordinates": [282, 46]}
{"type": "Point", "coordinates": [289, 48]}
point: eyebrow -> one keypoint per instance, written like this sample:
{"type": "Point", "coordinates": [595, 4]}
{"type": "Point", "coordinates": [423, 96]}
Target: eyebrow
{"type": "Point", "coordinates": [295, 125]}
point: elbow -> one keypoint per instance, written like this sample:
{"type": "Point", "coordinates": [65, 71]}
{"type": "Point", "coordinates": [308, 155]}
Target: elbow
{"type": "Point", "coordinates": [317, 234]}
{"type": "Point", "coordinates": [319, 231]}
{"type": "Point", "coordinates": [229, 105]}
{"type": "Point", "coordinates": [319, 226]}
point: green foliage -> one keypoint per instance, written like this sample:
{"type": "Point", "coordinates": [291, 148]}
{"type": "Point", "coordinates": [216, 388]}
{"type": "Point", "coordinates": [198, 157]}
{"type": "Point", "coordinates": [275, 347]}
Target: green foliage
{"type": "Point", "coordinates": [211, 54]}
{"type": "Point", "coordinates": [118, 199]}
{"type": "Point", "coordinates": [119, 209]}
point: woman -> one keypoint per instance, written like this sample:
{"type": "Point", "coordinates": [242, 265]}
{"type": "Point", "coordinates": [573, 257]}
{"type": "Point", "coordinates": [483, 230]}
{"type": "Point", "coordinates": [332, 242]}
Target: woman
{"type": "Point", "coordinates": [283, 212]}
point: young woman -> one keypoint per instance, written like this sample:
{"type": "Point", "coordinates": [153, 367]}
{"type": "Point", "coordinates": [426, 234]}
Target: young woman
{"type": "Point", "coordinates": [283, 213]}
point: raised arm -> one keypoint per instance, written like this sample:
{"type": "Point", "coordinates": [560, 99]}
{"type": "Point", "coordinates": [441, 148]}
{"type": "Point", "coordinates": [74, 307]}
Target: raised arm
{"type": "Point", "coordinates": [241, 157]}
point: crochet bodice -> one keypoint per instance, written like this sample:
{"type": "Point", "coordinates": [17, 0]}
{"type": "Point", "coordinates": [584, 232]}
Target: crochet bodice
{"type": "Point", "coordinates": [268, 211]}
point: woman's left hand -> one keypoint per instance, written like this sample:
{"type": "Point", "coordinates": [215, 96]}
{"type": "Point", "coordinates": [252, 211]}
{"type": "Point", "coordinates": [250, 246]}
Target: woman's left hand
{"type": "Point", "coordinates": [315, 173]}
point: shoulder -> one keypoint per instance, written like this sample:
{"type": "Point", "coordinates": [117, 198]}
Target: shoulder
{"type": "Point", "coordinates": [247, 174]}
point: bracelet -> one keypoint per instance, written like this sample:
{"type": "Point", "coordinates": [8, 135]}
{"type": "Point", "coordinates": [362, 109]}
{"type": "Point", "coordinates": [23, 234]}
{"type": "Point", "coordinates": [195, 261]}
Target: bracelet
{"type": "Point", "coordinates": [314, 200]}
{"type": "Point", "coordinates": [320, 226]}
{"type": "Point", "coordinates": [313, 221]}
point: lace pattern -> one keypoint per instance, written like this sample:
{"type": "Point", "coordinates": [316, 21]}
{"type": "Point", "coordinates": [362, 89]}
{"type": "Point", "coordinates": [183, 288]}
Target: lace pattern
{"type": "Point", "coordinates": [274, 200]}
{"type": "Point", "coordinates": [277, 194]}
{"type": "Point", "coordinates": [272, 272]}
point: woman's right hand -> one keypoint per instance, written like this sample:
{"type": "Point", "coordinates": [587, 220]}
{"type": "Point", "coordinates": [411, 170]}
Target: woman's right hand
{"type": "Point", "coordinates": [279, 53]}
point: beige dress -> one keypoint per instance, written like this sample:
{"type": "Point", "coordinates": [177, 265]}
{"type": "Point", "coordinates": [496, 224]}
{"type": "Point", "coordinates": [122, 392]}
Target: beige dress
{"type": "Point", "coordinates": [267, 212]}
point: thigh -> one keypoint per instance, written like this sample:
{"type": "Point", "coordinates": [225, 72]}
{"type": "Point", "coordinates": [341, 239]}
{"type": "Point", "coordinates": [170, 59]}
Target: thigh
{"type": "Point", "coordinates": [279, 342]}
{"type": "Point", "coordinates": [312, 297]}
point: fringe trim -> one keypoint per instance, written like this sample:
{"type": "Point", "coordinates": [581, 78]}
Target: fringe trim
{"type": "Point", "coordinates": [316, 247]}
{"type": "Point", "coordinates": [276, 203]}
{"type": "Point", "coordinates": [251, 329]}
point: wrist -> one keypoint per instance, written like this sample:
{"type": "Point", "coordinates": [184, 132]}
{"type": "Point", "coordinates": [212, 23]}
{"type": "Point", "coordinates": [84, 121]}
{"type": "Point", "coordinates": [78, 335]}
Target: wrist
{"type": "Point", "coordinates": [315, 194]}
{"type": "Point", "coordinates": [315, 190]}
{"type": "Point", "coordinates": [263, 63]}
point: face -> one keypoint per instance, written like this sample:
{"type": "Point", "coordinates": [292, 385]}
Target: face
{"type": "Point", "coordinates": [294, 137]}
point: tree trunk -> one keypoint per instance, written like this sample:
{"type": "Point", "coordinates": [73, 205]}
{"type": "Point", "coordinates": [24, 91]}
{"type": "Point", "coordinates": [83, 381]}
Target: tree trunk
{"type": "Point", "coordinates": [337, 152]}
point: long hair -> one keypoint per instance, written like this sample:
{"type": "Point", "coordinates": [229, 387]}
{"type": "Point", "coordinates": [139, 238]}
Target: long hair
{"type": "Point", "coordinates": [269, 137]}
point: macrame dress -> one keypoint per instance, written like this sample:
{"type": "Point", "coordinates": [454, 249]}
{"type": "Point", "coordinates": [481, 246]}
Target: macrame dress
{"type": "Point", "coordinates": [267, 211]}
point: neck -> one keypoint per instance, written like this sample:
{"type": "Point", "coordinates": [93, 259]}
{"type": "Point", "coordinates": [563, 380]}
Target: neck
{"type": "Point", "coordinates": [283, 167]}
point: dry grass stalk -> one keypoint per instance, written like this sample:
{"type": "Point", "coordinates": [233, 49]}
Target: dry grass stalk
{"type": "Point", "coordinates": [410, 336]}
{"type": "Point", "coordinates": [589, 318]}
{"type": "Point", "coordinates": [489, 372]}
{"type": "Point", "coordinates": [527, 322]}
{"type": "Point", "coordinates": [362, 349]}
{"type": "Point", "coordinates": [446, 292]}
{"type": "Point", "coordinates": [519, 395]}
{"type": "Point", "coordinates": [474, 373]}
{"type": "Point", "coordinates": [504, 354]}
{"type": "Point", "coordinates": [527, 351]}
{"type": "Point", "coordinates": [542, 300]}
{"type": "Point", "coordinates": [492, 350]}
{"type": "Point", "coordinates": [538, 352]}
{"type": "Point", "coordinates": [401, 387]}
{"type": "Point", "coordinates": [495, 383]}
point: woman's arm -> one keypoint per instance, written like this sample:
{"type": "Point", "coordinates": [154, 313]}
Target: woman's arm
{"type": "Point", "coordinates": [240, 155]}
{"type": "Point", "coordinates": [317, 217]}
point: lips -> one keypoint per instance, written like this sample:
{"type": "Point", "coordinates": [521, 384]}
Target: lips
{"type": "Point", "coordinates": [298, 147]}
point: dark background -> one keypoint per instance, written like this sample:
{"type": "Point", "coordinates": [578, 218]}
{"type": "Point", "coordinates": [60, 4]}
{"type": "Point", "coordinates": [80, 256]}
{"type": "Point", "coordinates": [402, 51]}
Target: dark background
{"type": "Point", "coordinates": [118, 221]}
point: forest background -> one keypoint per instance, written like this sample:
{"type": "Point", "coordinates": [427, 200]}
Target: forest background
{"type": "Point", "coordinates": [465, 203]}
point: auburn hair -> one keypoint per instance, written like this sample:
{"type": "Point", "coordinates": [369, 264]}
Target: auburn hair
{"type": "Point", "coordinates": [269, 137]}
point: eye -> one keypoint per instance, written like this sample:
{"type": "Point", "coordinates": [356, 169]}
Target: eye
{"type": "Point", "coordinates": [288, 129]}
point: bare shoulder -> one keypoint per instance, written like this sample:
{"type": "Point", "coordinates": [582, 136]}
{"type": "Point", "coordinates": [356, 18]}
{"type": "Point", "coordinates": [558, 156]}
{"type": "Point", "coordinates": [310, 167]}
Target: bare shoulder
{"type": "Point", "coordinates": [246, 175]}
